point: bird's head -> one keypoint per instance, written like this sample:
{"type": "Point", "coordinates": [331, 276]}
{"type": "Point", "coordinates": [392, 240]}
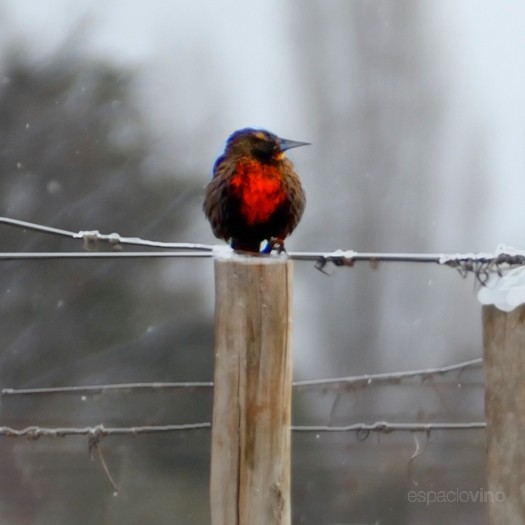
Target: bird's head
{"type": "Point", "coordinates": [259, 143]}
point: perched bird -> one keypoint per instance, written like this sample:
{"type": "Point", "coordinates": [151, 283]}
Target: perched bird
{"type": "Point", "coordinates": [255, 194]}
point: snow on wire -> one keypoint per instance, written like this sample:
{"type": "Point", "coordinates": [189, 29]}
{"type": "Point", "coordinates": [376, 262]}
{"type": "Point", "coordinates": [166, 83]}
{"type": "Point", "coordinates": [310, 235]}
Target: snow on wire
{"type": "Point", "coordinates": [482, 265]}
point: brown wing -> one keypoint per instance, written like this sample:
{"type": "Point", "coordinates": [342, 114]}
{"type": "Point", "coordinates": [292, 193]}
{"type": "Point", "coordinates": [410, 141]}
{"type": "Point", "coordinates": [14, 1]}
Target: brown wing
{"type": "Point", "coordinates": [216, 199]}
{"type": "Point", "coordinates": [296, 197]}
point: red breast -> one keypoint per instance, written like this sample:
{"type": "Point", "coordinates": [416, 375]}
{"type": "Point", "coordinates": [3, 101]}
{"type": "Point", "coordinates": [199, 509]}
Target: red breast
{"type": "Point", "coordinates": [259, 188]}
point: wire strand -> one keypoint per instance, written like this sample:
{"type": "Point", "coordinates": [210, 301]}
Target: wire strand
{"type": "Point", "coordinates": [100, 431]}
{"type": "Point", "coordinates": [481, 264]}
{"type": "Point", "coordinates": [358, 381]}
{"type": "Point", "coordinates": [389, 377]}
{"type": "Point", "coordinates": [386, 427]}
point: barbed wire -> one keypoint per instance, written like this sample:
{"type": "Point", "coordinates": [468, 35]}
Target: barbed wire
{"type": "Point", "coordinates": [94, 239]}
{"type": "Point", "coordinates": [101, 431]}
{"type": "Point", "coordinates": [20, 256]}
{"type": "Point", "coordinates": [360, 381]}
{"type": "Point", "coordinates": [479, 264]}
{"type": "Point", "coordinates": [482, 265]}
{"type": "Point", "coordinates": [362, 429]}
{"type": "Point", "coordinates": [388, 377]}
{"type": "Point", "coordinates": [385, 427]}
{"type": "Point", "coordinates": [98, 389]}
{"type": "Point", "coordinates": [97, 431]}
{"type": "Point", "coordinates": [104, 246]}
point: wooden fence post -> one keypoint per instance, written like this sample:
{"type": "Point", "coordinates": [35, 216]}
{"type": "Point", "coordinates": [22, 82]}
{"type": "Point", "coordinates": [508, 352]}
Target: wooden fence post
{"type": "Point", "coordinates": [250, 463]}
{"type": "Point", "coordinates": [504, 362]}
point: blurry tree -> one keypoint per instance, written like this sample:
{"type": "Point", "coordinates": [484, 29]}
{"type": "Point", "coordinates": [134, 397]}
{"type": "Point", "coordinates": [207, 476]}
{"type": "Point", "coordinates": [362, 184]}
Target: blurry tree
{"type": "Point", "coordinates": [74, 153]}
{"type": "Point", "coordinates": [375, 89]}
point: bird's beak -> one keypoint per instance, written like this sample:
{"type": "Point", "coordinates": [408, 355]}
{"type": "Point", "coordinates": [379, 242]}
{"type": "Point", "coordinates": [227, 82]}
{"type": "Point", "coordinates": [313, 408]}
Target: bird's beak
{"type": "Point", "coordinates": [285, 144]}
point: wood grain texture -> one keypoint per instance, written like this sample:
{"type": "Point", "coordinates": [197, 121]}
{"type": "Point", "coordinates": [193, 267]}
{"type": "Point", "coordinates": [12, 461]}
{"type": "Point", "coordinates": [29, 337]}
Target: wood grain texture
{"type": "Point", "coordinates": [504, 362]}
{"type": "Point", "coordinates": [250, 467]}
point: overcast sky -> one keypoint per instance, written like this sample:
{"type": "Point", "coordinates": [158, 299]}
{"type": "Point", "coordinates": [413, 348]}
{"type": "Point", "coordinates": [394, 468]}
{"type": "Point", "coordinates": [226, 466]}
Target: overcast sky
{"type": "Point", "coordinates": [242, 52]}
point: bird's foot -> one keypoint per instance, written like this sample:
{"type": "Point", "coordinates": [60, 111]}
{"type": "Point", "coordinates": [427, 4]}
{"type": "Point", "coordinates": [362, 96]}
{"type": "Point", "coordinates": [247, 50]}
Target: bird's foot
{"type": "Point", "coordinates": [276, 244]}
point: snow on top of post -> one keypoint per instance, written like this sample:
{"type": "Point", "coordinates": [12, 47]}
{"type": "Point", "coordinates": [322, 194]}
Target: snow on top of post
{"type": "Point", "coordinates": [505, 289]}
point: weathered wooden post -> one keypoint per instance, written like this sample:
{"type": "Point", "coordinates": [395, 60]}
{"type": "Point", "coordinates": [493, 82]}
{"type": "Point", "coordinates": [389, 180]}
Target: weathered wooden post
{"type": "Point", "coordinates": [250, 464]}
{"type": "Point", "coordinates": [504, 362]}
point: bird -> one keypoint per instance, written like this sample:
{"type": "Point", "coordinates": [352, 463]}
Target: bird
{"type": "Point", "coordinates": [255, 196]}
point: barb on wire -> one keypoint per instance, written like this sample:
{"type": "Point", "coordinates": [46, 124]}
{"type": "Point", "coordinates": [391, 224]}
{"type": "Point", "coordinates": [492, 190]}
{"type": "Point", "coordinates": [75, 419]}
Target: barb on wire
{"type": "Point", "coordinates": [94, 444]}
{"type": "Point", "coordinates": [392, 377]}
{"type": "Point", "coordinates": [483, 265]}
{"type": "Point", "coordinates": [419, 450]}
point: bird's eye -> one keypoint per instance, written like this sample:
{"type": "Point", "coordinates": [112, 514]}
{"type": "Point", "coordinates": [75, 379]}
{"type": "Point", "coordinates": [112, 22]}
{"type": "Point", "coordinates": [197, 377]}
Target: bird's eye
{"type": "Point", "coordinates": [264, 149]}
